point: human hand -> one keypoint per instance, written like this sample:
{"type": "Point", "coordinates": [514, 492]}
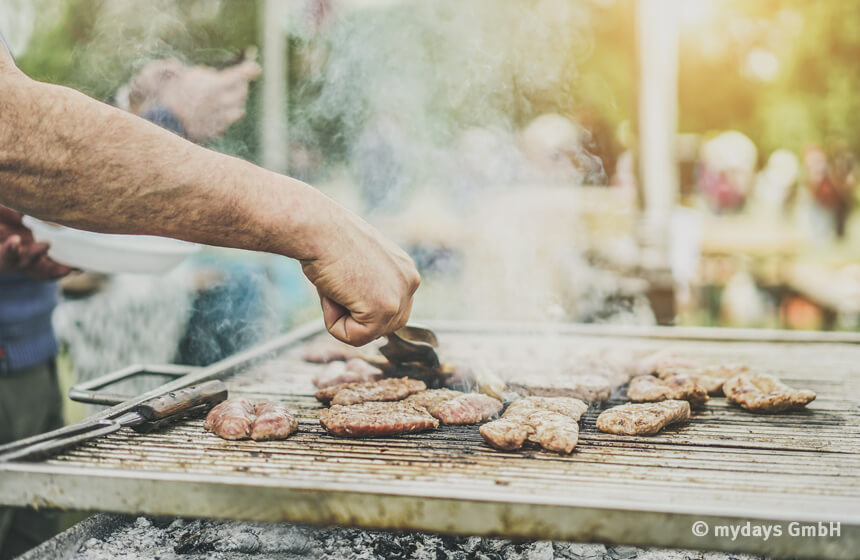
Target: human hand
{"type": "Point", "coordinates": [365, 281]}
{"type": "Point", "coordinates": [205, 100]}
{"type": "Point", "coordinates": [21, 254]}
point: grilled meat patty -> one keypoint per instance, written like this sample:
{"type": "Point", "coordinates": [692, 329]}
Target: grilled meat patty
{"type": "Point", "coordinates": [574, 408]}
{"type": "Point", "coordinates": [231, 419]}
{"type": "Point", "coordinates": [647, 388]}
{"type": "Point", "coordinates": [765, 393]}
{"type": "Point", "coordinates": [373, 419]}
{"type": "Point", "coordinates": [455, 407]}
{"type": "Point", "coordinates": [467, 408]}
{"type": "Point", "coordinates": [273, 421]}
{"type": "Point", "coordinates": [354, 370]}
{"type": "Point", "coordinates": [389, 389]}
{"type": "Point", "coordinates": [551, 422]}
{"type": "Point", "coordinates": [505, 434]}
{"type": "Point", "coordinates": [710, 378]}
{"type": "Point", "coordinates": [642, 419]}
{"type": "Point", "coordinates": [589, 388]}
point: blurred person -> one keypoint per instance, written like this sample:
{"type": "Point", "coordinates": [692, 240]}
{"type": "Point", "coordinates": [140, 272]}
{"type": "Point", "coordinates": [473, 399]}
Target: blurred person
{"type": "Point", "coordinates": [832, 180]}
{"type": "Point", "coordinates": [727, 171]}
{"type": "Point", "coordinates": [73, 160]}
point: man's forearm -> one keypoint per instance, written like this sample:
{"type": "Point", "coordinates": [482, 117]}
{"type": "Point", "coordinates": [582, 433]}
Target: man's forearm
{"type": "Point", "coordinates": [67, 158]}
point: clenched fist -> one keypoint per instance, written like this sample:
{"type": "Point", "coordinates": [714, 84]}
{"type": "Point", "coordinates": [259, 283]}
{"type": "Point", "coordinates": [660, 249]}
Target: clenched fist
{"type": "Point", "coordinates": [365, 281]}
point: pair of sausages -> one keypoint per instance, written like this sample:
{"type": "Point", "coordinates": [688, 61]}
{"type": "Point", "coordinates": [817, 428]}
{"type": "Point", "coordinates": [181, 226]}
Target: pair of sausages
{"type": "Point", "coordinates": [239, 419]}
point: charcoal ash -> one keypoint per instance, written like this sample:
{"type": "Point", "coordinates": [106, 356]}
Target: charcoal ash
{"type": "Point", "coordinates": [181, 539]}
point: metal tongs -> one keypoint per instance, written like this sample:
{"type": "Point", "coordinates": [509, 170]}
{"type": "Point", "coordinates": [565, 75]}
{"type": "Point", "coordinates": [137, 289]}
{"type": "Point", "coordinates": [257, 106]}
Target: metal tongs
{"type": "Point", "coordinates": [149, 415]}
{"type": "Point", "coordinates": [411, 351]}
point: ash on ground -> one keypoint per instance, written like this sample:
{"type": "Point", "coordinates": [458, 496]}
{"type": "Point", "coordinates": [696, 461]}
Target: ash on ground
{"type": "Point", "coordinates": [178, 539]}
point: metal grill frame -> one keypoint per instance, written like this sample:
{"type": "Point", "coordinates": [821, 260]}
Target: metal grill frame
{"type": "Point", "coordinates": [600, 515]}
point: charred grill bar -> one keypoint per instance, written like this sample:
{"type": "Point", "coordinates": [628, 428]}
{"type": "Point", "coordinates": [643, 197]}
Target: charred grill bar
{"type": "Point", "coordinates": [723, 467]}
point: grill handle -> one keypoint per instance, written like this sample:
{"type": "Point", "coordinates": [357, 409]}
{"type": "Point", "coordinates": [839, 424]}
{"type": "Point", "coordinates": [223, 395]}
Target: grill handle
{"type": "Point", "coordinates": [92, 392]}
{"type": "Point", "coordinates": [208, 393]}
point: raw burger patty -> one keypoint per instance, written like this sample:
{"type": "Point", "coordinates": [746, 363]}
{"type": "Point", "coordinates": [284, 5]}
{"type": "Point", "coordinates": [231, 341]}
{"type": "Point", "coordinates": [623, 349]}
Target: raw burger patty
{"type": "Point", "coordinates": [390, 389]}
{"type": "Point", "coordinates": [551, 422]}
{"type": "Point", "coordinates": [765, 393]}
{"type": "Point", "coordinates": [355, 370]}
{"type": "Point", "coordinates": [642, 419]}
{"type": "Point", "coordinates": [647, 388]}
{"type": "Point", "coordinates": [231, 419]}
{"type": "Point", "coordinates": [370, 419]}
{"type": "Point", "coordinates": [456, 408]}
{"type": "Point", "coordinates": [273, 421]}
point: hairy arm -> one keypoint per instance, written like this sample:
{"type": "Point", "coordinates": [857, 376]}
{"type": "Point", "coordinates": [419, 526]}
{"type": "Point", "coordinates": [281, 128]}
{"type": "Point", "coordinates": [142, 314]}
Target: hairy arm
{"type": "Point", "coordinates": [67, 158]}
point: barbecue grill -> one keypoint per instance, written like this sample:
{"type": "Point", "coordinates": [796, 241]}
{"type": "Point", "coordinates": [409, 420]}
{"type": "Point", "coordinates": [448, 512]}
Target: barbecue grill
{"type": "Point", "coordinates": [725, 467]}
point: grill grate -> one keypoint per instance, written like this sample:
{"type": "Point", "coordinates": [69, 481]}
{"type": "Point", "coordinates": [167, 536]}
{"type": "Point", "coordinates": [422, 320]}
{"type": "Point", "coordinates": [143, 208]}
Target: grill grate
{"type": "Point", "coordinates": [724, 464]}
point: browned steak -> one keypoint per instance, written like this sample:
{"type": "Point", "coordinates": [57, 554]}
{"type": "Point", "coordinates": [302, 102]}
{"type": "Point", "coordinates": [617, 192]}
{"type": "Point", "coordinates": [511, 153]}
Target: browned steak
{"type": "Point", "coordinates": [372, 419]}
{"type": "Point", "coordinates": [551, 422]}
{"type": "Point", "coordinates": [432, 397]}
{"type": "Point", "coordinates": [589, 388]}
{"type": "Point", "coordinates": [467, 408]}
{"type": "Point", "coordinates": [574, 408]}
{"type": "Point", "coordinates": [455, 407]}
{"type": "Point", "coordinates": [273, 421]}
{"type": "Point", "coordinates": [647, 388]}
{"type": "Point", "coordinates": [389, 389]}
{"type": "Point", "coordinates": [710, 378]}
{"type": "Point", "coordinates": [505, 434]}
{"type": "Point", "coordinates": [355, 370]}
{"type": "Point", "coordinates": [642, 419]}
{"type": "Point", "coordinates": [552, 431]}
{"type": "Point", "coordinates": [231, 419]}
{"type": "Point", "coordinates": [765, 393]}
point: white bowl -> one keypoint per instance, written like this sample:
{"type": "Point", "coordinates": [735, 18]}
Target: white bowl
{"type": "Point", "coordinates": [110, 253]}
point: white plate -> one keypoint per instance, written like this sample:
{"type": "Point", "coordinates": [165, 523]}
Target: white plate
{"type": "Point", "coordinates": [110, 253]}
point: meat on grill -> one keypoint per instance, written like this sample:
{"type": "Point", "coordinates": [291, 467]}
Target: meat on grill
{"type": "Point", "coordinates": [273, 421]}
{"type": "Point", "coordinates": [647, 388]}
{"type": "Point", "coordinates": [327, 349]}
{"type": "Point", "coordinates": [505, 434]}
{"type": "Point", "coordinates": [466, 408]}
{"type": "Point", "coordinates": [663, 359]}
{"type": "Point", "coordinates": [374, 419]}
{"type": "Point", "coordinates": [354, 370]}
{"type": "Point", "coordinates": [389, 389]}
{"type": "Point", "coordinates": [551, 422]}
{"type": "Point", "coordinates": [643, 419]}
{"type": "Point", "coordinates": [574, 408]}
{"type": "Point", "coordinates": [710, 378]}
{"type": "Point", "coordinates": [589, 388]}
{"type": "Point", "coordinates": [765, 393]}
{"type": "Point", "coordinates": [231, 419]}
{"type": "Point", "coordinates": [239, 419]}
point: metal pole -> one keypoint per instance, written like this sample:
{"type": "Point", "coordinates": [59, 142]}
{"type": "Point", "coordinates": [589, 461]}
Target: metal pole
{"type": "Point", "coordinates": [658, 114]}
{"type": "Point", "coordinates": [273, 118]}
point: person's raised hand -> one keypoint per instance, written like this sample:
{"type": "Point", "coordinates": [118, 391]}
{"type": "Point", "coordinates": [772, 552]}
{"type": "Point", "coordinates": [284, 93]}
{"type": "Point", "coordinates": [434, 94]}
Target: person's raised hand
{"type": "Point", "coordinates": [21, 254]}
{"type": "Point", "coordinates": [205, 100]}
{"type": "Point", "coordinates": [365, 281]}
